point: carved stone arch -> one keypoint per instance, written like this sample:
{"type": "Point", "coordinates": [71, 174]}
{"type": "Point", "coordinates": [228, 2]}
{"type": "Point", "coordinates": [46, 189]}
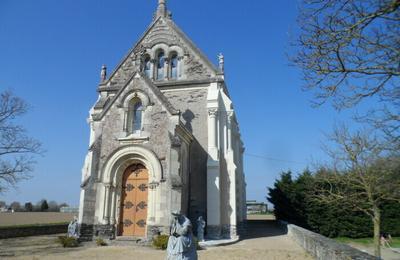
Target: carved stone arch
{"type": "Point", "coordinates": [175, 49]}
{"type": "Point", "coordinates": [128, 155]}
{"type": "Point", "coordinates": [112, 174]}
{"type": "Point", "coordinates": [157, 48]}
{"type": "Point", "coordinates": [124, 101]}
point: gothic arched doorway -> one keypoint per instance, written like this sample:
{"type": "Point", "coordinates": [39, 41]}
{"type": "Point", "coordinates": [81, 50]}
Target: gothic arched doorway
{"type": "Point", "coordinates": [133, 213]}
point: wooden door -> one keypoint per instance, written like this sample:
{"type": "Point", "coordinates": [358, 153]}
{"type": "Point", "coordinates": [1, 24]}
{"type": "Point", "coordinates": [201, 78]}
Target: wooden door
{"type": "Point", "coordinates": [133, 214]}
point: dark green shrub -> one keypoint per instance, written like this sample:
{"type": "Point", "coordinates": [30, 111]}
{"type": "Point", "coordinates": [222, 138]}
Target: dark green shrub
{"type": "Point", "coordinates": [68, 241]}
{"type": "Point", "coordinates": [293, 203]}
{"type": "Point", "coordinates": [161, 242]}
{"type": "Point", "coordinates": [100, 242]}
{"type": "Point", "coordinates": [196, 242]}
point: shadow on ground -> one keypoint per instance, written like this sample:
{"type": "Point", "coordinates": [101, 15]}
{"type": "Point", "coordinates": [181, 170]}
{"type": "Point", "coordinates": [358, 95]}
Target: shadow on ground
{"type": "Point", "coordinates": [263, 228]}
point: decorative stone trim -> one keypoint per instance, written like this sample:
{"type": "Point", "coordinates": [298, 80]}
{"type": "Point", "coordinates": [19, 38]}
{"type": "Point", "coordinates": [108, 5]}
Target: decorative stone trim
{"type": "Point", "coordinates": [133, 139]}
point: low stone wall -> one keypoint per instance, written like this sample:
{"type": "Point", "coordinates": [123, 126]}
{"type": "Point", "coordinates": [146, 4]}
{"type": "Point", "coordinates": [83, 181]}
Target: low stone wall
{"type": "Point", "coordinates": [324, 248]}
{"type": "Point", "coordinates": [34, 230]}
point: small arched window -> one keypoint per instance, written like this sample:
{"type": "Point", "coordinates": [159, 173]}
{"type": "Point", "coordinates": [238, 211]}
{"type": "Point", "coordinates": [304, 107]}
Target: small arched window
{"type": "Point", "coordinates": [147, 66]}
{"type": "Point", "coordinates": [160, 65]}
{"type": "Point", "coordinates": [174, 66]}
{"type": "Point", "coordinates": [135, 115]}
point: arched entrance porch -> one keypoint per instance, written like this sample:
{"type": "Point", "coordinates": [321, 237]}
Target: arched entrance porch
{"type": "Point", "coordinates": [116, 168]}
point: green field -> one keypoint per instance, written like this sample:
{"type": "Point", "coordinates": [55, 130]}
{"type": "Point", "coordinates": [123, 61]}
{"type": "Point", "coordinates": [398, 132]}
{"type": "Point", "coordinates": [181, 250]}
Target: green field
{"type": "Point", "coordinates": [367, 241]}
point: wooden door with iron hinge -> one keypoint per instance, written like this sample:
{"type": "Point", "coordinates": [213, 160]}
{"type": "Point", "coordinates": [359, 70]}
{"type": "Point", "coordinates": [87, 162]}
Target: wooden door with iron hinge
{"type": "Point", "coordinates": [133, 214]}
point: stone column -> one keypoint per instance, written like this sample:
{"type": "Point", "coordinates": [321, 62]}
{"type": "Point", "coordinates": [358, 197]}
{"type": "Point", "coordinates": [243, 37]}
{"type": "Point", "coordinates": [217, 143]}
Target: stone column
{"type": "Point", "coordinates": [213, 180]}
{"type": "Point", "coordinates": [232, 169]}
{"type": "Point", "coordinates": [106, 217]}
{"type": "Point", "coordinates": [212, 134]}
{"type": "Point", "coordinates": [113, 206]}
{"type": "Point", "coordinates": [229, 127]}
{"type": "Point", "coordinates": [153, 69]}
{"type": "Point", "coordinates": [180, 66]}
{"type": "Point", "coordinates": [166, 69]}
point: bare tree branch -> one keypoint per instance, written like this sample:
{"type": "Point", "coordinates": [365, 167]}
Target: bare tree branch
{"type": "Point", "coordinates": [17, 150]}
{"type": "Point", "coordinates": [349, 50]}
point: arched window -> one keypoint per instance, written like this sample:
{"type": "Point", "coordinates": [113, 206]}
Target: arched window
{"type": "Point", "coordinates": [135, 115]}
{"type": "Point", "coordinates": [160, 65]}
{"type": "Point", "coordinates": [174, 66]}
{"type": "Point", "coordinates": [147, 66]}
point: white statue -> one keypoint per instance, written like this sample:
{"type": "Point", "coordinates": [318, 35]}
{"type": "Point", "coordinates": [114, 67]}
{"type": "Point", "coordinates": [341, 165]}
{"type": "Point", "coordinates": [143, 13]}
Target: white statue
{"type": "Point", "coordinates": [180, 243]}
{"type": "Point", "coordinates": [201, 224]}
{"type": "Point", "coordinates": [103, 73]}
{"type": "Point", "coordinates": [73, 228]}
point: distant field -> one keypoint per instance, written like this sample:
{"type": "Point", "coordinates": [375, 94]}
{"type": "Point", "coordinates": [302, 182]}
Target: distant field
{"type": "Point", "coordinates": [261, 217]}
{"type": "Point", "coordinates": [30, 218]}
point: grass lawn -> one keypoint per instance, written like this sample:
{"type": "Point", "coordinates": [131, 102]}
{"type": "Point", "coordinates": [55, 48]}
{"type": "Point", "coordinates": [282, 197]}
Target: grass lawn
{"type": "Point", "coordinates": [367, 241]}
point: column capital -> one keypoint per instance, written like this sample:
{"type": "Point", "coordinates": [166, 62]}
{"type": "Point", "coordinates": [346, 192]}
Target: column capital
{"type": "Point", "coordinates": [212, 112]}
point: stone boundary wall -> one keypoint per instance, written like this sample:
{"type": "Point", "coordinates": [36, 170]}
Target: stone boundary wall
{"type": "Point", "coordinates": [34, 230]}
{"type": "Point", "coordinates": [324, 248]}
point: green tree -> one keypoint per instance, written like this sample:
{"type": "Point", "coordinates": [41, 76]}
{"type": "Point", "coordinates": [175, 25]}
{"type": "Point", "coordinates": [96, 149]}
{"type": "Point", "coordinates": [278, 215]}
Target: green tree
{"type": "Point", "coordinates": [28, 207]}
{"type": "Point", "coordinates": [44, 206]}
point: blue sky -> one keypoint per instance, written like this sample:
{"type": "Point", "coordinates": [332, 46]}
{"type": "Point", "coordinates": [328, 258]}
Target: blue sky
{"type": "Point", "coordinates": [51, 53]}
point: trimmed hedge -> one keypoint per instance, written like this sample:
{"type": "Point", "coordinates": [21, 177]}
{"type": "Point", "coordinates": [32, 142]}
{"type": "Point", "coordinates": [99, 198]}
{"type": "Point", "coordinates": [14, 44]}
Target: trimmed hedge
{"type": "Point", "coordinates": [292, 204]}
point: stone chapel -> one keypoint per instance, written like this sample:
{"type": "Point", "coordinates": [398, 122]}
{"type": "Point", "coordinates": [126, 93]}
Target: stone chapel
{"type": "Point", "coordinates": [163, 137]}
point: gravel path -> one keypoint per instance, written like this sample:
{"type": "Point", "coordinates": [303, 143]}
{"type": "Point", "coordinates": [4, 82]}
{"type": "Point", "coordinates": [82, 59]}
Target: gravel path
{"type": "Point", "coordinates": [265, 240]}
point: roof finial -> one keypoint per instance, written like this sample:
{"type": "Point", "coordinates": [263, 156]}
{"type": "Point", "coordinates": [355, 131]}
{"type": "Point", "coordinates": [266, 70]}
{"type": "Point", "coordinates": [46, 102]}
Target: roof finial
{"type": "Point", "coordinates": [162, 8]}
{"type": "Point", "coordinates": [221, 62]}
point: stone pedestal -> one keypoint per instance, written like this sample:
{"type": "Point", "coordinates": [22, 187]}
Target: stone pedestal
{"type": "Point", "coordinates": [213, 232]}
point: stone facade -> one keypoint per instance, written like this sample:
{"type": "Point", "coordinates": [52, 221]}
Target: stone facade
{"type": "Point", "coordinates": [167, 108]}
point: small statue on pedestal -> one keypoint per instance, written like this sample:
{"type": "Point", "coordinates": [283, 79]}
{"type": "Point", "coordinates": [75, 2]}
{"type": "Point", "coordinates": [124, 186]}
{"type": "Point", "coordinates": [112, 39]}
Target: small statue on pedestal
{"type": "Point", "coordinates": [103, 73]}
{"type": "Point", "coordinates": [201, 224]}
{"type": "Point", "coordinates": [73, 228]}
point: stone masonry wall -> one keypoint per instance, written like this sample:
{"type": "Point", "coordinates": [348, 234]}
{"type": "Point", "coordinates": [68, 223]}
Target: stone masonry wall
{"type": "Point", "coordinates": [155, 122]}
{"type": "Point", "coordinates": [192, 102]}
{"type": "Point", "coordinates": [323, 248]}
{"type": "Point", "coordinates": [10, 232]}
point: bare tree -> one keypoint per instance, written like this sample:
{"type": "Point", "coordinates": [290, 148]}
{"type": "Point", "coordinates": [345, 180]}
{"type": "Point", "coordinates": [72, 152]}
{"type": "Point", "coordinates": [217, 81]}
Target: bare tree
{"type": "Point", "coordinates": [349, 50]}
{"type": "Point", "coordinates": [17, 150]}
{"type": "Point", "coordinates": [16, 206]}
{"type": "Point", "coordinates": [363, 175]}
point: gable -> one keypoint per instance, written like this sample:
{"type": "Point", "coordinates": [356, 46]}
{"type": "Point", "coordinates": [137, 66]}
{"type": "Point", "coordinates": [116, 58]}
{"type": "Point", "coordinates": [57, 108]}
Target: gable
{"type": "Point", "coordinates": [163, 34]}
{"type": "Point", "coordinates": [137, 82]}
